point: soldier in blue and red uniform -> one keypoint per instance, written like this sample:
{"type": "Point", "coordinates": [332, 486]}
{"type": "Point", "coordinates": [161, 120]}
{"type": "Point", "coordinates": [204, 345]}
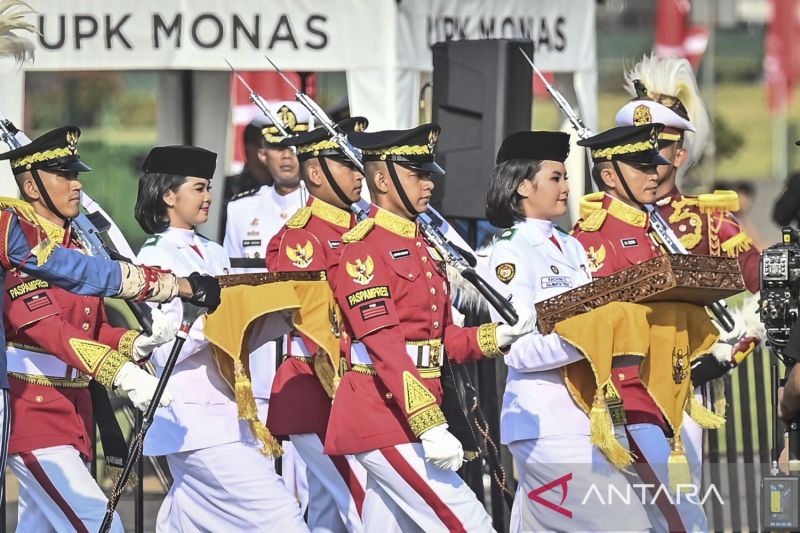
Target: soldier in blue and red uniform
{"type": "Point", "coordinates": [300, 407]}
{"type": "Point", "coordinates": [24, 246]}
{"type": "Point", "coordinates": [616, 236]}
{"type": "Point", "coordinates": [57, 343]}
{"type": "Point", "coordinates": [395, 298]}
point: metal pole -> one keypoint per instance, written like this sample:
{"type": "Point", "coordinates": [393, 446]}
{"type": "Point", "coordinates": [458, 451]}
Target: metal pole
{"type": "Point", "coordinates": [138, 498]}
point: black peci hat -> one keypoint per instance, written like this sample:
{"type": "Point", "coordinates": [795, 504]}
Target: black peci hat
{"type": "Point", "coordinates": [181, 161]}
{"type": "Point", "coordinates": [538, 145]}
{"type": "Point", "coordinates": [411, 148]}
{"type": "Point", "coordinates": [633, 144]}
{"type": "Point", "coordinates": [56, 150]}
{"type": "Point", "coordinates": [319, 142]}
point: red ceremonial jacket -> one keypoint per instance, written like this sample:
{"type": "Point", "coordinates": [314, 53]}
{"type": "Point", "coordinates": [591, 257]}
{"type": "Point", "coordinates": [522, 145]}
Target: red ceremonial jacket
{"type": "Point", "coordinates": [705, 226]}
{"type": "Point", "coordinates": [617, 236]}
{"type": "Point", "coordinates": [393, 290]}
{"type": "Point", "coordinates": [38, 317]}
{"type": "Point", "coordinates": [311, 240]}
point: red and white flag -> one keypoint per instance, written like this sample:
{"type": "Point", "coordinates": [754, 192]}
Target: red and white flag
{"type": "Point", "coordinates": [782, 59]}
{"type": "Point", "coordinates": [270, 86]}
{"type": "Point", "coordinates": [675, 35]}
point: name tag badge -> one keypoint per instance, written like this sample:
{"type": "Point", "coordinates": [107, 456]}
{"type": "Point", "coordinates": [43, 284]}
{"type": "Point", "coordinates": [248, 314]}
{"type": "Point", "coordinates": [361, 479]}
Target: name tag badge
{"type": "Point", "coordinates": [398, 254]}
{"type": "Point", "coordinates": [629, 243]}
{"type": "Point", "coordinates": [550, 282]}
{"type": "Point", "coordinates": [251, 242]}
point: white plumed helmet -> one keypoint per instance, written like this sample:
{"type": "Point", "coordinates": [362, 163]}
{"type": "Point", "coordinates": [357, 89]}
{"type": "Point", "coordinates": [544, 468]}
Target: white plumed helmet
{"type": "Point", "coordinates": [20, 48]}
{"type": "Point", "coordinates": [671, 82]}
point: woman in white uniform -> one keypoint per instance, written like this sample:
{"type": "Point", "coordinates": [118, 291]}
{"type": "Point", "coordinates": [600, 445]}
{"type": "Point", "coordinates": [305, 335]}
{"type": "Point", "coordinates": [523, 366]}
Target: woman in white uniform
{"type": "Point", "coordinates": [546, 432]}
{"type": "Point", "coordinates": [222, 481]}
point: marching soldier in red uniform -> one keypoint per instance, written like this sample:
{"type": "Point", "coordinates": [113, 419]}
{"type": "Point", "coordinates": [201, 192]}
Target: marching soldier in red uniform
{"type": "Point", "coordinates": [617, 235]}
{"type": "Point", "coordinates": [57, 343]}
{"type": "Point", "coordinates": [394, 295]}
{"type": "Point", "coordinates": [704, 224]}
{"type": "Point", "coordinates": [667, 92]}
{"type": "Point", "coordinates": [299, 405]}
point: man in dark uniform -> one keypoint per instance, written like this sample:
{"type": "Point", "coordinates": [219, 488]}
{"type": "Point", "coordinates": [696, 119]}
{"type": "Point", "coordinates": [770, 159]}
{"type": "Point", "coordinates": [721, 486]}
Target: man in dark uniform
{"type": "Point", "coordinates": [300, 401]}
{"type": "Point", "coordinates": [254, 174]}
{"type": "Point", "coordinates": [393, 291]}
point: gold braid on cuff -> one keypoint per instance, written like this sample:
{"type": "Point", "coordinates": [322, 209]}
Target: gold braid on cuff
{"type": "Point", "coordinates": [144, 283]}
{"type": "Point", "coordinates": [109, 368]}
{"type": "Point", "coordinates": [487, 340]}
{"type": "Point", "coordinates": [426, 419]}
{"type": "Point", "coordinates": [125, 347]}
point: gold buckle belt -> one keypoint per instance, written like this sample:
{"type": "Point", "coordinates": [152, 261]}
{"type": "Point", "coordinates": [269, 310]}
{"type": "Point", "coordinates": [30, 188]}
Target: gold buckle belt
{"type": "Point", "coordinates": [81, 382]}
{"type": "Point", "coordinates": [426, 372]}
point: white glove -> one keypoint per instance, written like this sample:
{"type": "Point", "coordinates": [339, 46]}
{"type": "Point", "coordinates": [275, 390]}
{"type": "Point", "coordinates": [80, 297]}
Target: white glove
{"type": "Point", "coordinates": [441, 448]}
{"type": "Point", "coordinates": [140, 386]}
{"type": "Point", "coordinates": [163, 332]}
{"type": "Point", "coordinates": [527, 323]}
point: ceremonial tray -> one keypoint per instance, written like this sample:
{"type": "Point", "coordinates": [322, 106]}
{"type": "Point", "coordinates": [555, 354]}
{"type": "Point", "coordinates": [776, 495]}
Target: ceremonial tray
{"type": "Point", "coordinates": [229, 280]}
{"type": "Point", "coordinates": [698, 279]}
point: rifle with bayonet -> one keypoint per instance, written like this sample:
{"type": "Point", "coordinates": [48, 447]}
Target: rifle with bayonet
{"type": "Point", "coordinates": [429, 222]}
{"type": "Point", "coordinates": [660, 226]}
{"type": "Point", "coordinates": [83, 229]}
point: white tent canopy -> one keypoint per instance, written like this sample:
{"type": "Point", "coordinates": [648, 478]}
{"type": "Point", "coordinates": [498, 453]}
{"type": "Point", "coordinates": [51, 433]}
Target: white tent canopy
{"type": "Point", "coordinates": [383, 47]}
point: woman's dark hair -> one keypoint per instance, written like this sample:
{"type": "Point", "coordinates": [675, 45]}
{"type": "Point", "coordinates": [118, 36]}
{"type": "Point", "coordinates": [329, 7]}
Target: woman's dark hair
{"type": "Point", "coordinates": [502, 199]}
{"type": "Point", "coordinates": [151, 210]}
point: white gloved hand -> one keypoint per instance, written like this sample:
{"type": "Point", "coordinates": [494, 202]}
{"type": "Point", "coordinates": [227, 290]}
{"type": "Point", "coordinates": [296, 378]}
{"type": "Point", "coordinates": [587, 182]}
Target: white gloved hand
{"type": "Point", "coordinates": [140, 386]}
{"type": "Point", "coordinates": [441, 448]}
{"type": "Point", "coordinates": [163, 332]}
{"type": "Point", "coordinates": [508, 334]}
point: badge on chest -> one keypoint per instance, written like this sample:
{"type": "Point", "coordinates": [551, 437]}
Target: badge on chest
{"type": "Point", "coordinates": [550, 282]}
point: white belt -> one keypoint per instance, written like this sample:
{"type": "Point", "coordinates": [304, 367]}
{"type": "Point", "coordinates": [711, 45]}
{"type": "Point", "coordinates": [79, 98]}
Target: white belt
{"type": "Point", "coordinates": [24, 361]}
{"type": "Point", "coordinates": [295, 346]}
{"type": "Point", "coordinates": [422, 354]}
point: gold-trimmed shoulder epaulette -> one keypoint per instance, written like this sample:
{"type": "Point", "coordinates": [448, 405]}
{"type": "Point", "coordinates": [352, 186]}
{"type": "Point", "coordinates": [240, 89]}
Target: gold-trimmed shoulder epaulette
{"type": "Point", "coordinates": [719, 200]}
{"type": "Point", "coordinates": [359, 231]}
{"type": "Point", "coordinates": [594, 221]}
{"type": "Point", "coordinates": [22, 208]}
{"type": "Point", "coordinates": [590, 203]}
{"type": "Point", "coordinates": [300, 218]}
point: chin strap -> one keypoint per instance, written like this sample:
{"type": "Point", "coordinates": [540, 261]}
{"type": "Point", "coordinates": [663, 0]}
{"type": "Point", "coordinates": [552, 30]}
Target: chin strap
{"type": "Point", "coordinates": [46, 197]}
{"type": "Point", "coordinates": [625, 185]}
{"type": "Point", "coordinates": [335, 186]}
{"type": "Point", "coordinates": [400, 191]}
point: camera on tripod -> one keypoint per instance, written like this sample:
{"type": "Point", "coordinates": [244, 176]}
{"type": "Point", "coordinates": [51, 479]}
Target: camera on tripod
{"type": "Point", "coordinates": [779, 306]}
{"type": "Point", "coordinates": [779, 309]}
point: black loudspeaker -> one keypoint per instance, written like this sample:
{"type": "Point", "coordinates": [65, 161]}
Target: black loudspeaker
{"type": "Point", "coordinates": [481, 94]}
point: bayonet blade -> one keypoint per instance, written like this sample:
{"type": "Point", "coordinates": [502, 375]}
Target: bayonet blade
{"type": "Point", "coordinates": [239, 77]}
{"type": "Point", "coordinates": [535, 69]}
{"type": "Point", "coordinates": [279, 71]}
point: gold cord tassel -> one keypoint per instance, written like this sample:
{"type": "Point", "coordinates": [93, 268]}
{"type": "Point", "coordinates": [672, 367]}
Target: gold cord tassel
{"type": "Point", "coordinates": [246, 404]}
{"type": "Point", "coordinates": [678, 465]}
{"type": "Point", "coordinates": [325, 372]}
{"type": "Point", "coordinates": [704, 417]}
{"type": "Point", "coordinates": [602, 432]}
{"type": "Point", "coordinates": [718, 392]}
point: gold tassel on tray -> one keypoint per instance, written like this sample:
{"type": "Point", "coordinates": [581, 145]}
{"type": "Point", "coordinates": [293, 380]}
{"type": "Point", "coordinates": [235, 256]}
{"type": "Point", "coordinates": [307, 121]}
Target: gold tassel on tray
{"type": "Point", "coordinates": [705, 418]}
{"type": "Point", "coordinates": [602, 432]}
{"type": "Point", "coordinates": [246, 403]}
{"type": "Point", "coordinates": [678, 465]}
{"type": "Point", "coordinates": [323, 368]}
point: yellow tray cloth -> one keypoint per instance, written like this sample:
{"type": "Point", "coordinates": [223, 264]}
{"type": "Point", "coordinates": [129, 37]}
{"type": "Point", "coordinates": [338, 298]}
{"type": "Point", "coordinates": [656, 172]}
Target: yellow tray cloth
{"type": "Point", "coordinates": [312, 309]}
{"type": "Point", "coordinates": [668, 334]}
